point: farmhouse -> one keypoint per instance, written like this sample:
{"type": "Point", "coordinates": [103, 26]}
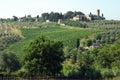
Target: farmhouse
{"type": "Point", "coordinates": [79, 18]}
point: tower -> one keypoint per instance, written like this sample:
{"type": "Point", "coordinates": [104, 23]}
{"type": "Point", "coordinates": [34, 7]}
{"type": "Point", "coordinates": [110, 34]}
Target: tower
{"type": "Point", "coordinates": [102, 15]}
{"type": "Point", "coordinates": [98, 12]}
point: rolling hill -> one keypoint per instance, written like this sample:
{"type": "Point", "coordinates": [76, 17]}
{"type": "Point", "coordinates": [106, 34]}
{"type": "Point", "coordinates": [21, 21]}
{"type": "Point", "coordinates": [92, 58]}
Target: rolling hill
{"type": "Point", "coordinates": [69, 36]}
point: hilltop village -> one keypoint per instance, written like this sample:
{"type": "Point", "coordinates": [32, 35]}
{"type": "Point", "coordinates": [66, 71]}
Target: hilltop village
{"type": "Point", "coordinates": [79, 16]}
{"type": "Point", "coordinates": [58, 17]}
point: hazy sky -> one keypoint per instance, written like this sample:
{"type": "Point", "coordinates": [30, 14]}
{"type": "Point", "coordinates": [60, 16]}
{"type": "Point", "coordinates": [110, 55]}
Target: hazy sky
{"type": "Point", "coordinates": [8, 8]}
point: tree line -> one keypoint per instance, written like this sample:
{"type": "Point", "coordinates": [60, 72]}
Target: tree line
{"type": "Point", "coordinates": [52, 16]}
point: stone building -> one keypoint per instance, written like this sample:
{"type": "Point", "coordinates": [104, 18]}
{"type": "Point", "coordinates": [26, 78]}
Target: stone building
{"type": "Point", "coordinates": [95, 16]}
{"type": "Point", "coordinates": [79, 18]}
{"type": "Point", "coordinates": [89, 17]}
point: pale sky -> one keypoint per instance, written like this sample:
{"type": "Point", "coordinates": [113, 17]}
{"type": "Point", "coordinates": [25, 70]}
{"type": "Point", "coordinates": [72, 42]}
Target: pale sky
{"type": "Point", "coordinates": [20, 8]}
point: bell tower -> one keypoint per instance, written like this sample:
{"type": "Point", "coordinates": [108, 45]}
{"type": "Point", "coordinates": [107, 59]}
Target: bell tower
{"type": "Point", "coordinates": [98, 12]}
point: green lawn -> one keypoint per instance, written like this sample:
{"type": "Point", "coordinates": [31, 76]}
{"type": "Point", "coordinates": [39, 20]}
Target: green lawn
{"type": "Point", "coordinates": [67, 35]}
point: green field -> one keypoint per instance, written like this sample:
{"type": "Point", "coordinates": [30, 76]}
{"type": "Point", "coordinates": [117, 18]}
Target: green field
{"type": "Point", "coordinates": [69, 36]}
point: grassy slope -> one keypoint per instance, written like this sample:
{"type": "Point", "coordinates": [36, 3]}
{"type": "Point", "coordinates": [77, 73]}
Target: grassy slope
{"type": "Point", "coordinates": [68, 36]}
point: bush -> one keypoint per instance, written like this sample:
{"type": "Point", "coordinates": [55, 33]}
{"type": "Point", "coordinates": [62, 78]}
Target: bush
{"type": "Point", "coordinates": [43, 57]}
{"type": "Point", "coordinates": [9, 62]}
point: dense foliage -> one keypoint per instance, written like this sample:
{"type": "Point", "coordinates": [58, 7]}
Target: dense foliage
{"type": "Point", "coordinates": [97, 63]}
{"type": "Point", "coordinates": [9, 62]}
{"type": "Point", "coordinates": [55, 16]}
{"type": "Point", "coordinates": [43, 57]}
{"type": "Point", "coordinates": [7, 39]}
